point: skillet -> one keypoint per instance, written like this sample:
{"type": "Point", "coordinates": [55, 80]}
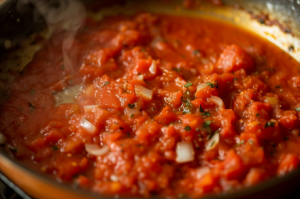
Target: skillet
{"type": "Point", "coordinates": [252, 14]}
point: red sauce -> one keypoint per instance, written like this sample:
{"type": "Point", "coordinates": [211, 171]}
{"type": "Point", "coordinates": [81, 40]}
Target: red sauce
{"type": "Point", "coordinates": [182, 106]}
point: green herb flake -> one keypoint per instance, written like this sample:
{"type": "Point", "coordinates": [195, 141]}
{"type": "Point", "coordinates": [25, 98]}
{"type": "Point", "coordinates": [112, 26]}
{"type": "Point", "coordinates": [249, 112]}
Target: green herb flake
{"type": "Point", "coordinates": [201, 109]}
{"type": "Point", "coordinates": [257, 115]}
{"type": "Point", "coordinates": [188, 84]}
{"type": "Point", "coordinates": [297, 109]}
{"type": "Point", "coordinates": [250, 142]}
{"type": "Point", "coordinates": [207, 123]}
{"type": "Point", "coordinates": [278, 86]}
{"type": "Point", "coordinates": [188, 102]}
{"type": "Point", "coordinates": [270, 124]}
{"type": "Point", "coordinates": [187, 128]}
{"type": "Point", "coordinates": [176, 69]}
{"type": "Point", "coordinates": [195, 52]}
{"type": "Point", "coordinates": [242, 142]}
{"type": "Point", "coordinates": [183, 100]}
{"type": "Point", "coordinates": [131, 106]}
{"type": "Point", "coordinates": [32, 91]}
{"type": "Point", "coordinates": [106, 83]}
{"type": "Point", "coordinates": [54, 148]}
{"type": "Point", "coordinates": [31, 107]}
{"type": "Point", "coordinates": [286, 138]}
{"type": "Point", "coordinates": [235, 79]}
{"type": "Point", "coordinates": [206, 114]}
{"type": "Point", "coordinates": [210, 84]}
{"type": "Point", "coordinates": [62, 67]}
{"type": "Point", "coordinates": [132, 115]}
{"type": "Point", "coordinates": [12, 149]}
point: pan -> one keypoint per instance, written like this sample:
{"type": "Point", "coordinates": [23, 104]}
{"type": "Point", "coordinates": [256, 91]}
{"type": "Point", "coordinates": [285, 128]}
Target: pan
{"type": "Point", "coordinates": [276, 20]}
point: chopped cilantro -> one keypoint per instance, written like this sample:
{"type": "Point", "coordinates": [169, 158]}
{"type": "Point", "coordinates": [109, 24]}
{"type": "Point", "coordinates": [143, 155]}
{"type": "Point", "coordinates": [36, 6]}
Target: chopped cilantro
{"type": "Point", "coordinates": [131, 106]}
{"type": "Point", "coordinates": [106, 83]}
{"type": "Point", "coordinates": [132, 115]}
{"type": "Point", "coordinates": [210, 84]}
{"type": "Point", "coordinates": [242, 142]}
{"type": "Point", "coordinates": [250, 142]}
{"type": "Point", "coordinates": [188, 84]}
{"type": "Point", "coordinates": [270, 124]}
{"type": "Point", "coordinates": [206, 125]}
{"type": "Point", "coordinates": [278, 86]}
{"type": "Point", "coordinates": [235, 79]}
{"type": "Point", "coordinates": [206, 114]}
{"type": "Point", "coordinates": [257, 115]}
{"type": "Point", "coordinates": [176, 69]}
{"type": "Point", "coordinates": [297, 109]}
{"type": "Point", "coordinates": [195, 52]}
{"type": "Point", "coordinates": [188, 102]}
{"type": "Point", "coordinates": [12, 149]}
{"type": "Point", "coordinates": [54, 148]}
{"type": "Point", "coordinates": [183, 100]}
{"type": "Point", "coordinates": [187, 128]}
{"type": "Point", "coordinates": [201, 109]}
{"type": "Point", "coordinates": [32, 91]}
{"type": "Point", "coordinates": [62, 67]}
{"type": "Point", "coordinates": [31, 107]}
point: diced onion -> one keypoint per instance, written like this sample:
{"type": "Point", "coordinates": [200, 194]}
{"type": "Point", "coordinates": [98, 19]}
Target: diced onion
{"type": "Point", "coordinates": [140, 77]}
{"type": "Point", "coordinates": [2, 139]}
{"type": "Point", "coordinates": [217, 101]}
{"type": "Point", "coordinates": [201, 172]}
{"type": "Point", "coordinates": [213, 142]}
{"type": "Point", "coordinates": [114, 178]}
{"type": "Point", "coordinates": [153, 67]}
{"type": "Point", "coordinates": [130, 111]}
{"type": "Point", "coordinates": [200, 86]}
{"type": "Point", "coordinates": [144, 92]}
{"type": "Point", "coordinates": [89, 127]}
{"type": "Point", "coordinates": [94, 149]}
{"type": "Point", "coordinates": [185, 152]}
{"type": "Point", "coordinates": [90, 108]}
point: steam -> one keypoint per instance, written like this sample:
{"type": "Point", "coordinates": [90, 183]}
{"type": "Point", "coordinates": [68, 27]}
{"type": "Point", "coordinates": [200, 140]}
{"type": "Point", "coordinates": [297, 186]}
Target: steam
{"type": "Point", "coordinates": [60, 14]}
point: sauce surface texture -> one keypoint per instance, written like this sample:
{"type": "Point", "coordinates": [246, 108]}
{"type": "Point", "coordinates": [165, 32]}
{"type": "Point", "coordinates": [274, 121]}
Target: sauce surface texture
{"type": "Point", "coordinates": [166, 105]}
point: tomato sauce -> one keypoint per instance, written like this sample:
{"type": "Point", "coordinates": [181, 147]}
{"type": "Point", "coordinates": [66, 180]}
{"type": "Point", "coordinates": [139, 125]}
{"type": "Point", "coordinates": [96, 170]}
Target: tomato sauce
{"type": "Point", "coordinates": [167, 105]}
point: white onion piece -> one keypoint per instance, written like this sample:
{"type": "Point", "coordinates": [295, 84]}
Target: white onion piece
{"type": "Point", "coordinates": [130, 111]}
{"type": "Point", "coordinates": [217, 101]}
{"type": "Point", "coordinates": [94, 149]}
{"type": "Point", "coordinates": [90, 108]}
{"type": "Point", "coordinates": [140, 77]}
{"type": "Point", "coordinates": [201, 172]}
{"type": "Point", "coordinates": [185, 152]}
{"type": "Point", "coordinates": [200, 86]}
{"type": "Point", "coordinates": [153, 67]}
{"type": "Point", "coordinates": [89, 127]}
{"type": "Point", "coordinates": [2, 139]}
{"type": "Point", "coordinates": [144, 92]}
{"type": "Point", "coordinates": [114, 178]}
{"type": "Point", "coordinates": [213, 142]}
